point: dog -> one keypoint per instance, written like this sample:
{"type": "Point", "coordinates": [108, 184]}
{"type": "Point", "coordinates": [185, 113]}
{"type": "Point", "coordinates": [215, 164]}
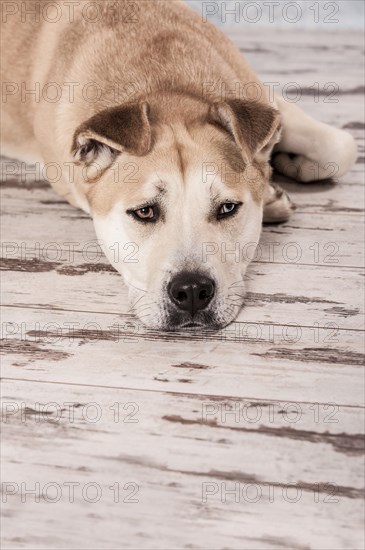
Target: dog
{"type": "Point", "coordinates": [135, 110]}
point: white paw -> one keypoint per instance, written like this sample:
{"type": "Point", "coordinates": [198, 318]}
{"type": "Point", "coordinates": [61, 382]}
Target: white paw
{"type": "Point", "coordinates": [278, 206]}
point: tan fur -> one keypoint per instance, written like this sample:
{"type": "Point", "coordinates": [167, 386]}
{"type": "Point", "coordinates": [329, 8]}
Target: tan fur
{"type": "Point", "coordinates": [168, 48]}
{"type": "Point", "coordinates": [181, 119]}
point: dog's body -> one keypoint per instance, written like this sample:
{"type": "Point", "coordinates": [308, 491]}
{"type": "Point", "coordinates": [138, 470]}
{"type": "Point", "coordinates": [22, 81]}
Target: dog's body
{"type": "Point", "coordinates": [163, 133]}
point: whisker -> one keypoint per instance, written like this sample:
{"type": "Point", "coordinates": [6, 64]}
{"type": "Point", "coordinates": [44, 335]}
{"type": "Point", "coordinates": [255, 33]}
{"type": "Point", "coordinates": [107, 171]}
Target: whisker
{"type": "Point", "coordinates": [133, 286]}
{"type": "Point", "coordinates": [132, 307]}
{"type": "Point", "coordinates": [146, 306]}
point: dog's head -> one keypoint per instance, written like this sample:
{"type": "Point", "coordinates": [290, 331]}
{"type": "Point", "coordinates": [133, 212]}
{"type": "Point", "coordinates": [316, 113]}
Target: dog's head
{"type": "Point", "coordinates": [175, 188]}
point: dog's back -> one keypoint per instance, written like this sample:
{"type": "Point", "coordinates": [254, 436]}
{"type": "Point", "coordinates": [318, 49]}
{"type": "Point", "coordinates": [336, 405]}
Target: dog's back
{"type": "Point", "coordinates": [126, 48]}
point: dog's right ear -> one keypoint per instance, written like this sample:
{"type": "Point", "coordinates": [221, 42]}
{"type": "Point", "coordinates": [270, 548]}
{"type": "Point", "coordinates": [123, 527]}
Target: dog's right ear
{"type": "Point", "coordinates": [101, 138]}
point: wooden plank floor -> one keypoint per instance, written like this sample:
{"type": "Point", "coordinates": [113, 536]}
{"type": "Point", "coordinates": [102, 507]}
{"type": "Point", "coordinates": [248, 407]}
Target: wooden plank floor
{"type": "Point", "coordinates": [249, 438]}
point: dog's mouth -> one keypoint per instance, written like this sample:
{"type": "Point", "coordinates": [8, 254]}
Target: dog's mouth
{"type": "Point", "coordinates": [176, 322]}
{"type": "Point", "coordinates": [192, 325]}
{"type": "Point", "coordinates": [201, 322]}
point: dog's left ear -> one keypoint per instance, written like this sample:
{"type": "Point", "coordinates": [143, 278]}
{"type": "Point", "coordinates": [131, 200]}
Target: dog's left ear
{"type": "Point", "coordinates": [124, 128]}
{"type": "Point", "coordinates": [255, 127]}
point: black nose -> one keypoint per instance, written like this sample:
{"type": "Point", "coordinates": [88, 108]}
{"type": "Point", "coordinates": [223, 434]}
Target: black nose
{"type": "Point", "coordinates": [191, 291]}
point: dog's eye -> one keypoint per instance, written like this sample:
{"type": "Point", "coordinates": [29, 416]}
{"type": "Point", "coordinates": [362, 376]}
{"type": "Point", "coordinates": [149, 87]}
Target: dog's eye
{"type": "Point", "coordinates": [227, 209]}
{"type": "Point", "coordinates": [145, 214]}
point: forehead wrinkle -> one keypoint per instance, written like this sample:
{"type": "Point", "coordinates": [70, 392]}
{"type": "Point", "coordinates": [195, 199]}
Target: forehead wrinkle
{"type": "Point", "coordinates": [169, 156]}
{"type": "Point", "coordinates": [180, 158]}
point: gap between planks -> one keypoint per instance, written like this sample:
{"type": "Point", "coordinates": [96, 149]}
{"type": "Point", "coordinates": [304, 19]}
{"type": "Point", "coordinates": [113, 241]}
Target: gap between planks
{"type": "Point", "coordinates": [192, 395]}
{"type": "Point", "coordinates": [129, 315]}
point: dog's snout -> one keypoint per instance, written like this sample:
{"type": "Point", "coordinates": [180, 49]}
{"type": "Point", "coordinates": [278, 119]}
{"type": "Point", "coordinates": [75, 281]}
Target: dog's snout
{"type": "Point", "coordinates": [191, 291]}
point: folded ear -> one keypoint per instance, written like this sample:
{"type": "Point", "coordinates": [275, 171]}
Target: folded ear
{"type": "Point", "coordinates": [101, 138]}
{"type": "Point", "coordinates": [255, 127]}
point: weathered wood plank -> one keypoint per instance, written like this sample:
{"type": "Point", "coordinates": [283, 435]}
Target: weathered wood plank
{"type": "Point", "coordinates": [101, 349]}
{"type": "Point", "coordinates": [305, 58]}
{"type": "Point", "coordinates": [173, 459]}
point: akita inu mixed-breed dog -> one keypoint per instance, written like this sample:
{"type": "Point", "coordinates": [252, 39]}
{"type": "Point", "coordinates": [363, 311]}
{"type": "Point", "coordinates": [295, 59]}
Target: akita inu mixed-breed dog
{"type": "Point", "coordinates": [167, 162]}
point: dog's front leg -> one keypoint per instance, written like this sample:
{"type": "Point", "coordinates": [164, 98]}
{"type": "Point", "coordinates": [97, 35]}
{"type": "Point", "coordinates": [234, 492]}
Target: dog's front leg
{"type": "Point", "coordinates": [310, 150]}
